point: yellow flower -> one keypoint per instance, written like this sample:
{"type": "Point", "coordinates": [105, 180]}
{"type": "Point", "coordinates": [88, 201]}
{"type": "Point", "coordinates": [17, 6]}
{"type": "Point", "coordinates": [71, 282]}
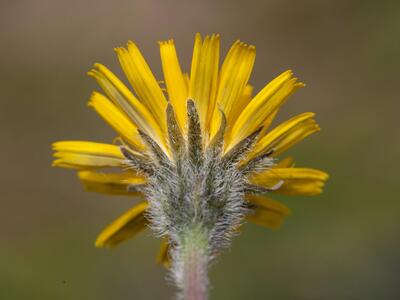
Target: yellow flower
{"type": "Point", "coordinates": [226, 110]}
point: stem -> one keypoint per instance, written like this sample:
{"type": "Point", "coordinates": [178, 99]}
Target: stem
{"type": "Point", "coordinates": [194, 266]}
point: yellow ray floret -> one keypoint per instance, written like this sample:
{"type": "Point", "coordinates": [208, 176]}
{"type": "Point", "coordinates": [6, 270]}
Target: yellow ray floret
{"type": "Point", "coordinates": [266, 211]}
{"type": "Point", "coordinates": [128, 103]}
{"type": "Point", "coordinates": [162, 256]}
{"type": "Point", "coordinates": [125, 227]}
{"type": "Point", "coordinates": [80, 155]}
{"type": "Point", "coordinates": [112, 183]}
{"type": "Point", "coordinates": [175, 80]}
{"type": "Point", "coordinates": [204, 77]}
{"type": "Point", "coordinates": [266, 102]}
{"type": "Point", "coordinates": [295, 135]}
{"type": "Point", "coordinates": [143, 81]}
{"type": "Point", "coordinates": [116, 119]}
{"type": "Point", "coordinates": [276, 137]}
{"type": "Point", "coordinates": [296, 181]}
{"type": "Point", "coordinates": [239, 105]}
{"type": "Point", "coordinates": [234, 75]}
{"type": "Point", "coordinates": [287, 162]}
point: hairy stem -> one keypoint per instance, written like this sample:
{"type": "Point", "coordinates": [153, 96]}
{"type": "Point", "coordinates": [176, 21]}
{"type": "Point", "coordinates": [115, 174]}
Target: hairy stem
{"type": "Point", "coordinates": [193, 266]}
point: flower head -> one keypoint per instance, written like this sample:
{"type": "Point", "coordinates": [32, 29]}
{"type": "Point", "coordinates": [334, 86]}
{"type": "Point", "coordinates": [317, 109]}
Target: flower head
{"type": "Point", "coordinates": [199, 153]}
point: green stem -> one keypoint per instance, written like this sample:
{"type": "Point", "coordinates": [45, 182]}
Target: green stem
{"type": "Point", "coordinates": [194, 265]}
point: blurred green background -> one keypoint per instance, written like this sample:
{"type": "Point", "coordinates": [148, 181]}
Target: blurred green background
{"type": "Point", "coordinates": [343, 244]}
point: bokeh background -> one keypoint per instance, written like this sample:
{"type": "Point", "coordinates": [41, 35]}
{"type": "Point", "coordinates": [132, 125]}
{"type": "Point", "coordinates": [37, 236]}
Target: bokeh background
{"type": "Point", "coordinates": [343, 244]}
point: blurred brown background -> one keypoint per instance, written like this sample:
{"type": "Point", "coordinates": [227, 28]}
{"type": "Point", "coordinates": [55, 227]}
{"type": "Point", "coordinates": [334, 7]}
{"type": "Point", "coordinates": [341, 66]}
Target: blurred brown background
{"type": "Point", "coordinates": [343, 244]}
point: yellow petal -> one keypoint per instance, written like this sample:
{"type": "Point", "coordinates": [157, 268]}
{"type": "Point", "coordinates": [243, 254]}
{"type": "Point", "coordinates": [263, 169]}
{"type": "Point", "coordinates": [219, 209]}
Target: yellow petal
{"type": "Point", "coordinates": [296, 135]}
{"type": "Point", "coordinates": [287, 162]}
{"type": "Point", "coordinates": [187, 80]}
{"type": "Point", "coordinates": [268, 122]}
{"type": "Point", "coordinates": [266, 218]}
{"type": "Point", "coordinates": [116, 119]}
{"type": "Point", "coordinates": [88, 148]}
{"type": "Point", "coordinates": [302, 187]}
{"type": "Point", "coordinates": [175, 80]}
{"type": "Point", "coordinates": [128, 103]}
{"type": "Point", "coordinates": [125, 227]}
{"type": "Point", "coordinates": [241, 103]}
{"type": "Point", "coordinates": [143, 81]}
{"type": "Point", "coordinates": [267, 203]}
{"type": "Point", "coordinates": [266, 211]}
{"type": "Point", "coordinates": [300, 181]}
{"type": "Point", "coordinates": [265, 103]}
{"type": "Point", "coordinates": [204, 77]}
{"type": "Point", "coordinates": [81, 154]}
{"type": "Point", "coordinates": [162, 256]}
{"type": "Point", "coordinates": [272, 139]}
{"type": "Point", "coordinates": [111, 183]}
{"type": "Point", "coordinates": [196, 53]}
{"type": "Point", "coordinates": [235, 73]}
